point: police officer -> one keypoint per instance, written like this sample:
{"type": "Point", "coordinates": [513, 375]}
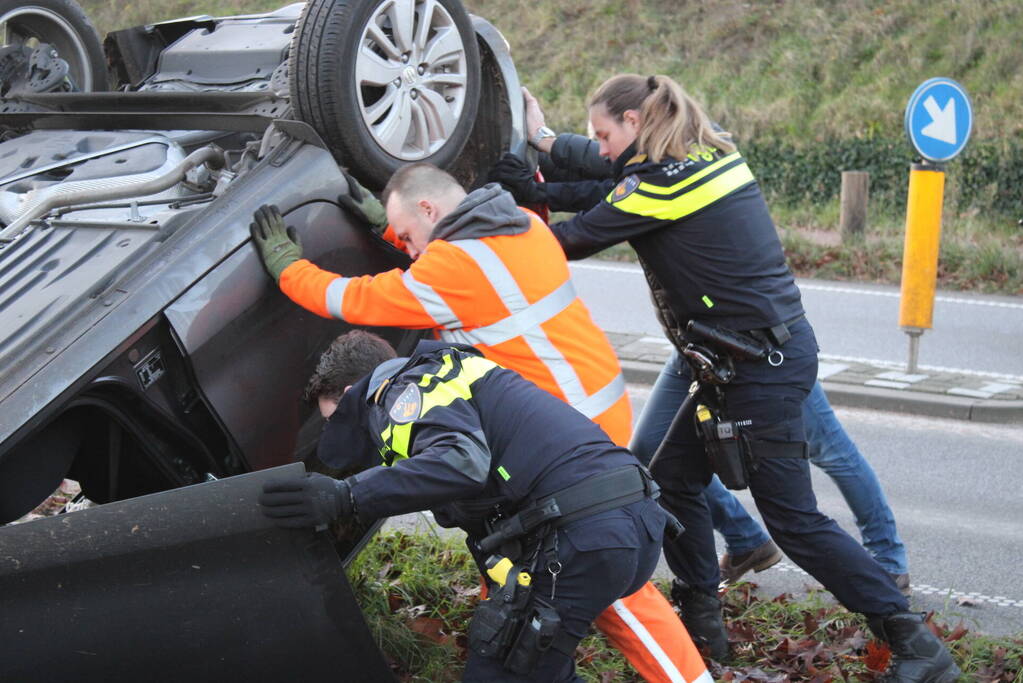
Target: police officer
{"type": "Point", "coordinates": [688, 204]}
{"type": "Point", "coordinates": [540, 490]}
{"type": "Point", "coordinates": [577, 178]}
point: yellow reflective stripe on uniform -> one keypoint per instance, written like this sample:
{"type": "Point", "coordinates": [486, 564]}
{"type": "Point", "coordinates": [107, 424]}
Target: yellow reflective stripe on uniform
{"type": "Point", "coordinates": [400, 438]}
{"type": "Point", "coordinates": [396, 437]}
{"type": "Point", "coordinates": [690, 202]}
{"type": "Point", "coordinates": [696, 177]}
{"type": "Point", "coordinates": [445, 368]}
{"type": "Point", "coordinates": [459, 386]}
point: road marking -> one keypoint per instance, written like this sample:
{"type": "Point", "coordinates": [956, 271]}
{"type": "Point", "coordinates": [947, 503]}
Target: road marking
{"type": "Point", "coordinates": [925, 589]}
{"type": "Point", "coordinates": [806, 286]}
{"type": "Point", "coordinates": [894, 294]}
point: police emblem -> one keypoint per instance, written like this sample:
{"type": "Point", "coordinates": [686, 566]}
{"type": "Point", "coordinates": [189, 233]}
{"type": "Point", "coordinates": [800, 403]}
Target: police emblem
{"type": "Point", "coordinates": [406, 408]}
{"type": "Point", "coordinates": [625, 188]}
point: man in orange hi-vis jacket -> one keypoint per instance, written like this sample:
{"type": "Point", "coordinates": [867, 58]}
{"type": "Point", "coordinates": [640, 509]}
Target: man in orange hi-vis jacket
{"type": "Point", "coordinates": [490, 274]}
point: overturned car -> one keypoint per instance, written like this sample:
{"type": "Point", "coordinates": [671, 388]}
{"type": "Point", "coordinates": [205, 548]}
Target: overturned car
{"type": "Point", "coordinates": [142, 347]}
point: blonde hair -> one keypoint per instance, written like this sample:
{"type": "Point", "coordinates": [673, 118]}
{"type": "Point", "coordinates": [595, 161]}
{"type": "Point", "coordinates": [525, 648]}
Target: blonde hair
{"type": "Point", "coordinates": [672, 123]}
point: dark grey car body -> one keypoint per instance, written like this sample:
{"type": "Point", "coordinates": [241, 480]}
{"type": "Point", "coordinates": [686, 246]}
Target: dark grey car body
{"type": "Point", "coordinates": [142, 345]}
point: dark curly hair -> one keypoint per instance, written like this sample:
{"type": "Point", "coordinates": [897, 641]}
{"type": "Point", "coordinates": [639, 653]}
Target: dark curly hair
{"type": "Point", "coordinates": [348, 359]}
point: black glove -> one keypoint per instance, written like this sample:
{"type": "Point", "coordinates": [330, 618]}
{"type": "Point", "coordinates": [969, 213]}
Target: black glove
{"type": "Point", "coordinates": [363, 204]}
{"type": "Point", "coordinates": [278, 246]}
{"type": "Point", "coordinates": [306, 500]}
{"type": "Point", "coordinates": [513, 175]}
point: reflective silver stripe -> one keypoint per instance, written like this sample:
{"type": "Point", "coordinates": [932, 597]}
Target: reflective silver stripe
{"type": "Point", "coordinates": [468, 456]}
{"type": "Point", "coordinates": [520, 323]}
{"type": "Point", "coordinates": [508, 290]}
{"type": "Point", "coordinates": [649, 642]}
{"type": "Point", "coordinates": [336, 295]}
{"type": "Point", "coordinates": [599, 401]}
{"type": "Point", "coordinates": [430, 300]}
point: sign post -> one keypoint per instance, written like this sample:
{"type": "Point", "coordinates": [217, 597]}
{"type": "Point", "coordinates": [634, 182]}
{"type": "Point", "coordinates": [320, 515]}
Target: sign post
{"type": "Point", "coordinates": [939, 119]}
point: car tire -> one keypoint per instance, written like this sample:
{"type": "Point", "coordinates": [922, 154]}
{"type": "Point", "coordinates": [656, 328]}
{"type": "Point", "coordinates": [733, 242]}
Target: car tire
{"type": "Point", "coordinates": [64, 25]}
{"type": "Point", "coordinates": [385, 85]}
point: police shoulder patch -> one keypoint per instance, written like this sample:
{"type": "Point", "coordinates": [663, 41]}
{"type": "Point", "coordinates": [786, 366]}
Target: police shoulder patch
{"type": "Point", "coordinates": [408, 405]}
{"type": "Point", "coordinates": [625, 188]}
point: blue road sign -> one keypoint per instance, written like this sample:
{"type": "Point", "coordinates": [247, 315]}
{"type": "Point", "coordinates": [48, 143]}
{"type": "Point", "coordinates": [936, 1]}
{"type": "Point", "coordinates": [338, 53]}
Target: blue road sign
{"type": "Point", "coordinates": [939, 119]}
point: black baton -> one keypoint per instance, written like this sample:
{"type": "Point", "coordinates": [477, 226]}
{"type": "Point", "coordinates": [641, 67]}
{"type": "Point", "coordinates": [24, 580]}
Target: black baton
{"type": "Point", "coordinates": [678, 423]}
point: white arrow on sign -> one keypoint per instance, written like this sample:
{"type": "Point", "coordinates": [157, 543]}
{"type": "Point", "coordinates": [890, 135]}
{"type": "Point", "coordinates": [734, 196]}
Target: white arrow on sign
{"type": "Point", "coordinates": [943, 121]}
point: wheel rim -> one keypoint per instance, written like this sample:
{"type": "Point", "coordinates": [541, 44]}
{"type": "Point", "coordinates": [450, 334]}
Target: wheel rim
{"type": "Point", "coordinates": [23, 25]}
{"type": "Point", "coordinates": [411, 77]}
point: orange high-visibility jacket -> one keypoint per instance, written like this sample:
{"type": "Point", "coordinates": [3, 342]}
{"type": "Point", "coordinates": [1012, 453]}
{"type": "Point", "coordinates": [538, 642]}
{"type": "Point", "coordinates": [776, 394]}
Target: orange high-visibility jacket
{"type": "Point", "coordinates": [496, 279]}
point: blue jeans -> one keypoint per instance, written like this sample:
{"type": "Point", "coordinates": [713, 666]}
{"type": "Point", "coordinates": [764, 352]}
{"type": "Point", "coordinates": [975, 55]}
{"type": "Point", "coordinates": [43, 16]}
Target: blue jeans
{"type": "Point", "coordinates": [830, 448]}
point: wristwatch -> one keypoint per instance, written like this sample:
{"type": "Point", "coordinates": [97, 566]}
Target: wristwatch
{"type": "Point", "coordinates": [542, 133]}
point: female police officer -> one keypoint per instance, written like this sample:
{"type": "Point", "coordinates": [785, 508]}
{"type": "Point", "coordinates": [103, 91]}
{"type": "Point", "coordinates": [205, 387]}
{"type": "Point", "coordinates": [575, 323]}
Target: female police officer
{"type": "Point", "coordinates": [688, 204]}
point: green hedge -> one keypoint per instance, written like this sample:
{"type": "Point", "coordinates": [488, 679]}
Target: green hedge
{"type": "Point", "coordinates": [986, 177]}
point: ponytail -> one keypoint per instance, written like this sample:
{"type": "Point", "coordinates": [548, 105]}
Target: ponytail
{"type": "Point", "coordinates": [672, 123]}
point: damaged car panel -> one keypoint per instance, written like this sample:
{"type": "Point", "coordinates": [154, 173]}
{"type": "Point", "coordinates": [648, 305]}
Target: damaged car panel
{"type": "Point", "coordinates": [191, 584]}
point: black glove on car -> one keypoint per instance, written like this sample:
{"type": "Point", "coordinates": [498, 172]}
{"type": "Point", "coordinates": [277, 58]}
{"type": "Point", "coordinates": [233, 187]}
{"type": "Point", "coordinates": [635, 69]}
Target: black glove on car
{"type": "Point", "coordinates": [278, 246]}
{"type": "Point", "coordinates": [513, 175]}
{"type": "Point", "coordinates": [363, 204]}
{"type": "Point", "coordinates": [306, 500]}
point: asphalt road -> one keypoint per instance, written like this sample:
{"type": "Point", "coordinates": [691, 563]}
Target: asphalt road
{"type": "Point", "coordinates": [974, 333]}
{"type": "Point", "coordinates": [955, 489]}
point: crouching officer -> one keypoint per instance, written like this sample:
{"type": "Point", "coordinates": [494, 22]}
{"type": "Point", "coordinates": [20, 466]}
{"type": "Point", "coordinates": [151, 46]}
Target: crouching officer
{"type": "Point", "coordinates": [561, 520]}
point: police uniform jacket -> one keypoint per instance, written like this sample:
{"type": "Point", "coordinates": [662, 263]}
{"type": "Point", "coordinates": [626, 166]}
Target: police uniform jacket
{"type": "Point", "coordinates": [451, 431]}
{"type": "Point", "coordinates": [576, 177]}
{"type": "Point", "coordinates": [702, 231]}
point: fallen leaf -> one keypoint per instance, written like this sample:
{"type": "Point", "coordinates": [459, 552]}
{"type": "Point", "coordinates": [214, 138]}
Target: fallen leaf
{"type": "Point", "coordinates": [878, 655]}
{"type": "Point", "coordinates": [430, 628]}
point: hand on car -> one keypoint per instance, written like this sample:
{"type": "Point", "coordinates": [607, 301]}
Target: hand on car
{"type": "Point", "coordinates": [278, 246]}
{"type": "Point", "coordinates": [306, 500]}
{"type": "Point", "coordinates": [363, 204]}
{"type": "Point", "coordinates": [534, 114]}
{"type": "Point", "coordinates": [514, 175]}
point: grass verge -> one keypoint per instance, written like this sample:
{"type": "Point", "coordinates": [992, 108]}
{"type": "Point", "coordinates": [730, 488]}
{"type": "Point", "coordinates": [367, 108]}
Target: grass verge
{"type": "Point", "coordinates": [418, 591]}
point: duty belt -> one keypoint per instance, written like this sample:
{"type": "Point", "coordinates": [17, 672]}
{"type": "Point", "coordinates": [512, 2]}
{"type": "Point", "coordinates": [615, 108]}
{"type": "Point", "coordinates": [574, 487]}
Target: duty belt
{"type": "Point", "coordinates": [777, 335]}
{"type": "Point", "coordinates": [599, 493]}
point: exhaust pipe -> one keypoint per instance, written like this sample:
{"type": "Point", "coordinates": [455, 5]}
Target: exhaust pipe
{"type": "Point", "coordinates": [94, 191]}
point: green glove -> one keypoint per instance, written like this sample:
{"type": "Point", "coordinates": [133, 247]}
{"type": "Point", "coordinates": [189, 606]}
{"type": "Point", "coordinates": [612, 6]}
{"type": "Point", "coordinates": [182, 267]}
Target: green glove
{"type": "Point", "coordinates": [278, 246]}
{"type": "Point", "coordinates": [363, 204]}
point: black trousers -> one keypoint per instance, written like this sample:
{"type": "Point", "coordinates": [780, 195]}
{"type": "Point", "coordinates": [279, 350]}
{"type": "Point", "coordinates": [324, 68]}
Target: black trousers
{"type": "Point", "coordinates": [603, 557]}
{"type": "Point", "coordinates": [771, 398]}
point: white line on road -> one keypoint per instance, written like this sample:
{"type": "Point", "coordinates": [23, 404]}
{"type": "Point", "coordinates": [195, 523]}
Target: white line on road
{"type": "Point", "coordinates": [924, 589]}
{"type": "Point", "coordinates": [895, 295]}
{"type": "Point", "coordinates": [625, 268]}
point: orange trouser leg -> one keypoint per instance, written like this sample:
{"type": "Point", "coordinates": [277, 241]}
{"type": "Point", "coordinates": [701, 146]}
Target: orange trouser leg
{"type": "Point", "coordinates": [645, 629]}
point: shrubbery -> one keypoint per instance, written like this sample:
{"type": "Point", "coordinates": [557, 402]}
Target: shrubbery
{"type": "Point", "coordinates": [987, 177]}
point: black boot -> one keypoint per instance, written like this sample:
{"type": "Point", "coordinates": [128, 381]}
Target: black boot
{"type": "Point", "coordinates": [917, 655]}
{"type": "Point", "coordinates": [701, 614]}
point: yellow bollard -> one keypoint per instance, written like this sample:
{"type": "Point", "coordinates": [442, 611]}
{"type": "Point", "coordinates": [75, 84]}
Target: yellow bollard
{"type": "Point", "coordinates": [920, 253]}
